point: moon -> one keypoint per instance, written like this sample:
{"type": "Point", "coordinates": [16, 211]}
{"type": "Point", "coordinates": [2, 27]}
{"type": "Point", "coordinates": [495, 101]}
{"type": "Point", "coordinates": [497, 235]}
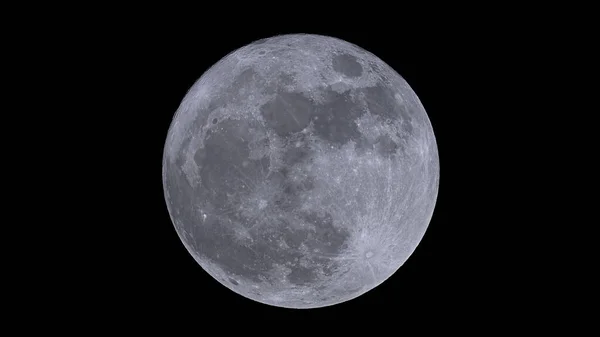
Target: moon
{"type": "Point", "coordinates": [301, 171]}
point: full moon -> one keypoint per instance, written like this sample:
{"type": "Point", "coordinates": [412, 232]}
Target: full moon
{"type": "Point", "coordinates": [300, 171]}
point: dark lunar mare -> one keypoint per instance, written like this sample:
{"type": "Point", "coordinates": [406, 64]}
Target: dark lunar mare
{"type": "Point", "coordinates": [335, 120]}
{"type": "Point", "coordinates": [222, 169]}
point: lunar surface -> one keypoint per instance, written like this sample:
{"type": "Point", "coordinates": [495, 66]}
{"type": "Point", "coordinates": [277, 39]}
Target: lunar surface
{"type": "Point", "coordinates": [301, 171]}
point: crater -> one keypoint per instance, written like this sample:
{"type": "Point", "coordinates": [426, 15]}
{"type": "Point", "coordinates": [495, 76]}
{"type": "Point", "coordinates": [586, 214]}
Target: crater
{"type": "Point", "coordinates": [234, 282]}
{"type": "Point", "coordinates": [347, 65]}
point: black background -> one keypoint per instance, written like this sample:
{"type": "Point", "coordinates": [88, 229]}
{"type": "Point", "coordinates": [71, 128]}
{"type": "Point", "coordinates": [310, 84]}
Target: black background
{"type": "Point", "coordinates": [138, 267]}
{"type": "Point", "coordinates": [98, 89]}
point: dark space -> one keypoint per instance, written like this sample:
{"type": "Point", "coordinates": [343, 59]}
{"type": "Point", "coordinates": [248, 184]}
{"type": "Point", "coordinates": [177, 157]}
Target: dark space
{"type": "Point", "coordinates": [144, 270]}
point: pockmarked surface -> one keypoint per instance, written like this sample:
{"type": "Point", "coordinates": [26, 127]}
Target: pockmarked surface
{"type": "Point", "coordinates": [301, 171]}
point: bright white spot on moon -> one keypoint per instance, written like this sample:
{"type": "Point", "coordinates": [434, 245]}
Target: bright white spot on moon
{"type": "Point", "coordinates": [262, 204]}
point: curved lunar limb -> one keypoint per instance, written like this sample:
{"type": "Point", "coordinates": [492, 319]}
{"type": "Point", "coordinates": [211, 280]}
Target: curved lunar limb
{"type": "Point", "coordinates": [301, 171]}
